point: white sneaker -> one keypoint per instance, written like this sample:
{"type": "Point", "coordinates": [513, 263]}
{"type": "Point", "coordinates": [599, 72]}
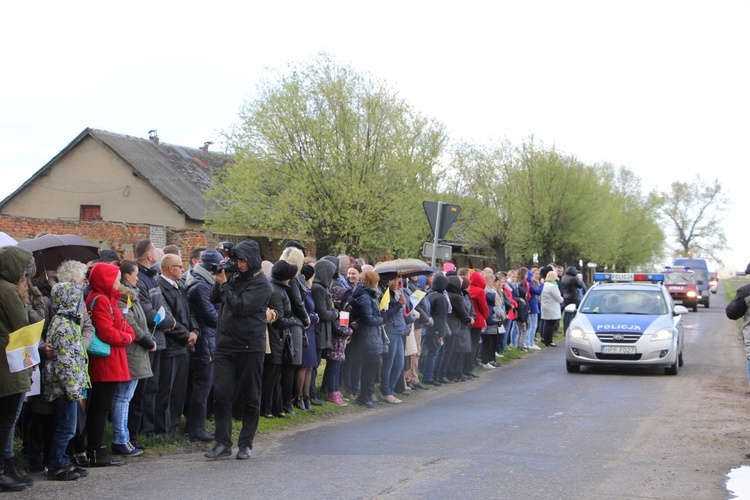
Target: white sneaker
{"type": "Point", "coordinates": [535, 347]}
{"type": "Point", "coordinates": [489, 367]}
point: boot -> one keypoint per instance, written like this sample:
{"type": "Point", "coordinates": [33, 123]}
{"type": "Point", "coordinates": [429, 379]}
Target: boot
{"type": "Point", "coordinates": [299, 403]}
{"type": "Point", "coordinates": [308, 404]}
{"type": "Point", "coordinates": [288, 408]}
{"type": "Point", "coordinates": [13, 471]}
{"type": "Point", "coordinates": [100, 458]}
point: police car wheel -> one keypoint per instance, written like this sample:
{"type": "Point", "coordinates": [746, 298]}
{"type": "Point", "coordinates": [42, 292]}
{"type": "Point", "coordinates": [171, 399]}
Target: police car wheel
{"type": "Point", "coordinates": [680, 360]}
{"type": "Point", "coordinates": [571, 368]}
{"type": "Point", "coordinates": [672, 370]}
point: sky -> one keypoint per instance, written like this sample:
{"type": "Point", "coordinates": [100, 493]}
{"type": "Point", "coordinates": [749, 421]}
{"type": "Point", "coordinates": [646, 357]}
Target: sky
{"type": "Point", "coordinates": [660, 87]}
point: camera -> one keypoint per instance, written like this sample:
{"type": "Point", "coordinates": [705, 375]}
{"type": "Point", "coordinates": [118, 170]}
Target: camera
{"type": "Point", "coordinates": [229, 264]}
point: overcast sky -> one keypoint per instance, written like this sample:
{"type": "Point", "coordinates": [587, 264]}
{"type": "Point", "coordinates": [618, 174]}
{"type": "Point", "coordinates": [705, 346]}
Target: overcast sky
{"type": "Point", "coordinates": [660, 87]}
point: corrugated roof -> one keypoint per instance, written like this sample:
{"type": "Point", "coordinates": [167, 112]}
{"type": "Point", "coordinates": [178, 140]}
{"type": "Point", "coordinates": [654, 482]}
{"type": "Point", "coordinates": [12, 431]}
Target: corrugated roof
{"type": "Point", "coordinates": [182, 174]}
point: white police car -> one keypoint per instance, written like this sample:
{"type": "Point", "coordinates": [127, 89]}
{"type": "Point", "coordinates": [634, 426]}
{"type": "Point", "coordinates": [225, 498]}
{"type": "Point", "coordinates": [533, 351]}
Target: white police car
{"type": "Point", "coordinates": [626, 319]}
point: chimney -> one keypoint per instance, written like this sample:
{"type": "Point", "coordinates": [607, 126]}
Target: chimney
{"type": "Point", "coordinates": [153, 136]}
{"type": "Point", "coordinates": [205, 145]}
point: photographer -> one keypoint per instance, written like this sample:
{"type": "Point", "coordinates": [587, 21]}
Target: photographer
{"type": "Point", "coordinates": [243, 291]}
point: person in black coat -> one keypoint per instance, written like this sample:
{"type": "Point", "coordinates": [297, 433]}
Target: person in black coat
{"type": "Point", "coordinates": [240, 348]}
{"type": "Point", "coordinates": [278, 334]}
{"type": "Point", "coordinates": [570, 287]}
{"type": "Point", "coordinates": [368, 325]}
{"type": "Point", "coordinates": [433, 335]}
{"type": "Point", "coordinates": [199, 282]}
{"type": "Point", "coordinates": [175, 361]}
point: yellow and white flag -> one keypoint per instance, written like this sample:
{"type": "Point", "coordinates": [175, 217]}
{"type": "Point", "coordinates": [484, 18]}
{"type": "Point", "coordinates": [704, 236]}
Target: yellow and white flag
{"type": "Point", "coordinates": [23, 347]}
{"type": "Point", "coordinates": [386, 299]}
{"type": "Point", "coordinates": [416, 298]}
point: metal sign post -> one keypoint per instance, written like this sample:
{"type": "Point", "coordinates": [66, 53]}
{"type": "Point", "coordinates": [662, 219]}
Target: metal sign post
{"type": "Point", "coordinates": [436, 241]}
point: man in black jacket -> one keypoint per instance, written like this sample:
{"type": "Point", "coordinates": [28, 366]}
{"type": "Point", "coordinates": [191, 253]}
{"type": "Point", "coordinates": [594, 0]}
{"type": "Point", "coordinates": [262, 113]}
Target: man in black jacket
{"type": "Point", "coordinates": [143, 405]}
{"type": "Point", "coordinates": [175, 361]}
{"type": "Point", "coordinates": [240, 348]}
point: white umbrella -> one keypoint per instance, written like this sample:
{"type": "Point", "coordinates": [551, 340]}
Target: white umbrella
{"type": "Point", "coordinates": [7, 241]}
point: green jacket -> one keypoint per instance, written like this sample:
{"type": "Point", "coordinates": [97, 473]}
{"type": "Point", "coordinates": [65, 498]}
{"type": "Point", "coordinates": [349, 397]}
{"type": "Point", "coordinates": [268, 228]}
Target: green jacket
{"type": "Point", "coordinates": [13, 264]}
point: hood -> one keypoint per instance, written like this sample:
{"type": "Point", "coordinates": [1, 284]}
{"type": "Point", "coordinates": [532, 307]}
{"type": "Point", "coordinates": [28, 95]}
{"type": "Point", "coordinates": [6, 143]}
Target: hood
{"type": "Point", "coordinates": [439, 282]}
{"type": "Point", "coordinates": [66, 297]}
{"type": "Point", "coordinates": [454, 284]}
{"type": "Point", "coordinates": [362, 289]}
{"type": "Point", "coordinates": [476, 279]}
{"type": "Point", "coordinates": [14, 262]}
{"type": "Point", "coordinates": [102, 278]}
{"type": "Point", "coordinates": [250, 251]}
{"type": "Point", "coordinates": [529, 275]}
{"type": "Point", "coordinates": [571, 271]}
{"type": "Point", "coordinates": [325, 270]}
{"type": "Point", "coordinates": [335, 261]}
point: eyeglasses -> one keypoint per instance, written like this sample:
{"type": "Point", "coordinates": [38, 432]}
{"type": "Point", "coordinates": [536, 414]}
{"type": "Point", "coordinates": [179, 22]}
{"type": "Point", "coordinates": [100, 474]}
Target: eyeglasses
{"type": "Point", "coordinates": [178, 266]}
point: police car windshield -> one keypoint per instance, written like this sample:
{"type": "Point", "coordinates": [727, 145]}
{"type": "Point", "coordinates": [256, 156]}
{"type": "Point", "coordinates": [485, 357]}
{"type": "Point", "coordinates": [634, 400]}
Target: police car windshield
{"type": "Point", "coordinates": [679, 278]}
{"type": "Point", "coordinates": [608, 301]}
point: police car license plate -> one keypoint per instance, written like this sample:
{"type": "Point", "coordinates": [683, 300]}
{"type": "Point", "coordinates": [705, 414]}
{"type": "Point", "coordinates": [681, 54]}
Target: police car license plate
{"type": "Point", "coordinates": [618, 349]}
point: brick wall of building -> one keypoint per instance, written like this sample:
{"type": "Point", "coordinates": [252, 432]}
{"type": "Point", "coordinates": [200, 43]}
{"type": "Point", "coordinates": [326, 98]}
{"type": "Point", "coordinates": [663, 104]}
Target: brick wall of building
{"type": "Point", "coordinates": [120, 237]}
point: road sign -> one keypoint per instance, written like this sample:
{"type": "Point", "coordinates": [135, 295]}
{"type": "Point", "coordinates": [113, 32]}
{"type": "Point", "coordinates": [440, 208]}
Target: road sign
{"type": "Point", "coordinates": [444, 252]}
{"type": "Point", "coordinates": [448, 215]}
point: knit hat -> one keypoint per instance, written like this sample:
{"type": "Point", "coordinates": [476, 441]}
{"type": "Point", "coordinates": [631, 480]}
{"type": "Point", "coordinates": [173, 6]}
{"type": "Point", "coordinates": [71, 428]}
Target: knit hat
{"type": "Point", "coordinates": [294, 244]}
{"type": "Point", "coordinates": [307, 271]}
{"type": "Point", "coordinates": [210, 257]}
{"type": "Point", "coordinates": [283, 270]}
{"type": "Point", "coordinates": [109, 256]}
{"type": "Point", "coordinates": [449, 266]}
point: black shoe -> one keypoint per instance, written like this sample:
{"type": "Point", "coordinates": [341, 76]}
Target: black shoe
{"type": "Point", "coordinates": [100, 458]}
{"type": "Point", "coordinates": [420, 385]}
{"type": "Point", "coordinates": [435, 383]}
{"type": "Point", "coordinates": [219, 451]}
{"type": "Point", "coordinates": [299, 403]}
{"type": "Point", "coordinates": [78, 470]}
{"type": "Point", "coordinates": [308, 405]}
{"type": "Point", "coordinates": [411, 386]}
{"type": "Point", "coordinates": [244, 453]}
{"type": "Point", "coordinates": [315, 402]}
{"type": "Point", "coordinates": [13, 471]}
{"type": "Point", "coordinates": [445, 380]}
{"type": "Point", "coordinates": [204, 436]}
{"type": "Point", "coordinates": [80, 461]}
{"type": "Point", "coordinates": [366, 403]}
{"type": "Point", "coordinates": [8, 484]}
{"type": "Point", "coordinates": [472, 374]}
{"type": "Point", "coordinates": [63, 474]}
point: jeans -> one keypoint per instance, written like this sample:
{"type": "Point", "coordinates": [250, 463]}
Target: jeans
{"type": "Point", "coordinates": [10, 409]}
{"type": "Point", "coordinates": [332, 376]}
{"type": "Point", "coordinates": [429, 355]}
{"type": "Point", "coordinates": [512, 334]}
{"type": "Point", "coordinates": [531, 332]}
{"type": "Point", "coordinates": [120, 410]}
{"type": "Point", "coordinates": [66, 415]}
{"type": "Point", "coordinates": [393, 365]}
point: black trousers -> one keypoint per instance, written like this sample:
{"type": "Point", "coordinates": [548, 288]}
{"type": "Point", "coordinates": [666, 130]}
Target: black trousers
{"type": "Point", "coordinates": [242, 373]}
{"type": "Point", "coordinates": [445, 357]}
{"type": "Point", "coordinates": [548, 330]}
{"type": "Point", "coordinates": [489, 345]}
{"type": "Point", "coordinates": [97, 411]}
{"type": "Point", "coordinates": [150, 389]}
{"type": "Point", "coordinates": [270, 402]}
{"type": "Point", "coordinates": [170, 398]}
{"type": "Point", "coordinates": [370, 364]}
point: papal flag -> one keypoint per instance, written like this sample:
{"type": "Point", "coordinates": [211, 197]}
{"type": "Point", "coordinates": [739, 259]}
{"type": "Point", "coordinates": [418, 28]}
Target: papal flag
{"type": "Point", "coordinates": [386, 299]}
{"type": "Point", "coordinates": [23, 347]}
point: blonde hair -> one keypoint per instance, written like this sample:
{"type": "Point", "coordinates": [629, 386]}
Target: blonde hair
{"type": "Point", "coordinates": [293, 256]}
{"type": "Point", "coordinates": [551, 276]}
{"type": "Point", "coordinates": [71, 270]}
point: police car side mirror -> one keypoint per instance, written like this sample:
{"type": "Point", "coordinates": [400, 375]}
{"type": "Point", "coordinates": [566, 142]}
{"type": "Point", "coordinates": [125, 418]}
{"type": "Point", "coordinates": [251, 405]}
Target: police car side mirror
{"type": "Point", "coordinates": [570, 308]}
{"type": "Point", "coordinates": [680, 310]}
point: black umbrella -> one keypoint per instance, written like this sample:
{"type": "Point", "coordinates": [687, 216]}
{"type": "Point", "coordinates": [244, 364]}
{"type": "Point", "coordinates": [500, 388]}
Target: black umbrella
{"type": "Point", "coordinates": [404, 267]}
{"type": "Point", "coordinates": [51, 250]}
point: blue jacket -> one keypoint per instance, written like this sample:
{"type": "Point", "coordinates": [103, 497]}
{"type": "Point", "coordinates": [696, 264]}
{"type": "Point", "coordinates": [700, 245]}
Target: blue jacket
{"type": "Point", "coordinates": [534, 293]}
{"type": "Point", "coordinates": [206, 313]}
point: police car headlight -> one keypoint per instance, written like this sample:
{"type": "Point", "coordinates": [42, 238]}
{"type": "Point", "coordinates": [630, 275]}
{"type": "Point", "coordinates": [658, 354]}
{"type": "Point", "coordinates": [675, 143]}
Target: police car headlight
{"type": "Point", "coordinates": [663, 334]}
{"type": "Point", "coordinates": [577, 333]}
{"type": "Point", "coordinates": [692, 295]}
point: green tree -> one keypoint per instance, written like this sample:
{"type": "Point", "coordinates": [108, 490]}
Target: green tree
{"type": "Point", "coordinates": [693, 213]}
{"type": "Point", "coordinates": [329, 152]}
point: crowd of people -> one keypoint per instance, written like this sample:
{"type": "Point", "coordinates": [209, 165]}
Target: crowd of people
{"type": "Point", "coordinates": [144, 342]}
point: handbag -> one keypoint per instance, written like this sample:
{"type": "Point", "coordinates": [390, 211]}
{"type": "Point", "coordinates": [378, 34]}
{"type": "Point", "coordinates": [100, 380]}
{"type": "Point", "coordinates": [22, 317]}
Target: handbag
{"type": "Point", "coordinates": [289, 351]}
{"type": "Point", "coordinates": [98, 347]}
{"type": "Point", "coordinates": [386, 340]}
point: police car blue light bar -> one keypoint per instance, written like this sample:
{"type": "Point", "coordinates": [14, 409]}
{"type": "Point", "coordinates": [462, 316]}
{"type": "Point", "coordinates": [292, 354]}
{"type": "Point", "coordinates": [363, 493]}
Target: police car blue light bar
{"type": "Point", "coordinates": [629, 277]}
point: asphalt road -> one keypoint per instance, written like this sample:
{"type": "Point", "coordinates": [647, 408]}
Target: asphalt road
{"type": "Point", "coordinates": [526, 430]}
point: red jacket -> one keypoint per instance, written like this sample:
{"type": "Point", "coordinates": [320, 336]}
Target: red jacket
{"type": "Point", "coordinates": [110, 326]}
{"type": "Point", "coordinates": [479, 299]}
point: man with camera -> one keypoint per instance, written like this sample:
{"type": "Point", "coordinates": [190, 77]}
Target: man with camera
{"type": "Point", "coordinates": [243, 291]}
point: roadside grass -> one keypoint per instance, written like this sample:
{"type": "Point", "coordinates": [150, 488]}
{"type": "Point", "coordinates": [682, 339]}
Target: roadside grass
{"type": "Point", "coordinates": [161, 445]}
